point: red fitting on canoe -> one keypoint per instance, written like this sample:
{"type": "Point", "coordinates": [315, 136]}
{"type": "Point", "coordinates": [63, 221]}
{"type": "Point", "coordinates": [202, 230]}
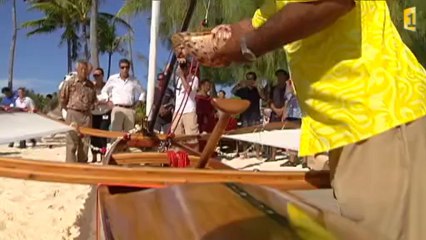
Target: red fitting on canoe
{"type": "Point", "coordinates": [178, 159]}
{"type": "Point", "coordinates": [126, 137]}
{"type": "Point", "coordinates": [103, 150]}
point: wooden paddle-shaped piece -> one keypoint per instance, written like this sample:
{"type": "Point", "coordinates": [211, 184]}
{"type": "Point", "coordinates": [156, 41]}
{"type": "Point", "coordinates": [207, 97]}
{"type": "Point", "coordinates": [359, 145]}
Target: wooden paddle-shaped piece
{"type": "Point", "coordinates": [226, 108]}
{"type": "Point", "coordinates": [90, 174]}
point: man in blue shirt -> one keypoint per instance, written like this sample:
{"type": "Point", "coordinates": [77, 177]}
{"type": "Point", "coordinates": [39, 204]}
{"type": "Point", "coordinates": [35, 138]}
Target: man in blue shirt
{"type": "Point", "coordinates": [8, 99]}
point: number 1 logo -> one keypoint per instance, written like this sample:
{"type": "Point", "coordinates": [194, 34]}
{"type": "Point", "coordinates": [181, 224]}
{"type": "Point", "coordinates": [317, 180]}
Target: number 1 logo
{"type": "Point", "coordinates": [410, 19]}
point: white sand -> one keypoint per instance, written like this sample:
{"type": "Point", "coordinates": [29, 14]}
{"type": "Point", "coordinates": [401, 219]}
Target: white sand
{"type": "Point", "coordinates": [38, 210]}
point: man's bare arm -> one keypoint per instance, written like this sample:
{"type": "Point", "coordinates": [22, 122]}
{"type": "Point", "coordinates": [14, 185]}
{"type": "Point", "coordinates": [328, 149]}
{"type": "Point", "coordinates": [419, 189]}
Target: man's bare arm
{"type": "Point", "coordinates": [296, 21]}
{"type": "Point", "coordinates": [64, 95]}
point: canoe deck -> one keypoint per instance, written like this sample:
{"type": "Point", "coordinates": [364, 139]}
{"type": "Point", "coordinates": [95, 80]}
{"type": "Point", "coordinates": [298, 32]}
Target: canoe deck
{"type": "Point", "coordinates": [195, 211]}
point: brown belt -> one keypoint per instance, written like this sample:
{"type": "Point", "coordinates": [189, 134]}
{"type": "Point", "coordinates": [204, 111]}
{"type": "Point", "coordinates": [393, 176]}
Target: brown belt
{"type": "Point", "coordinates": [123, 106]}
{"type": "Point", "coordinates": [78, 110]}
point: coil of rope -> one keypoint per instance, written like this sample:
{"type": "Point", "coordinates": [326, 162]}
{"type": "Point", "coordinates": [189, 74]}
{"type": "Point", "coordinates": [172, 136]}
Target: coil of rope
{"type": "Point", "coordinates": [178, 159]}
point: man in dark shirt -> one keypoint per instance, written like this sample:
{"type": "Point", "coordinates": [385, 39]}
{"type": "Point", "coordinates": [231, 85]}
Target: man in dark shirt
{"type": "Point", "coordinates": [165, 115]}
{"type": "Point", "coordinates": [248, 90]}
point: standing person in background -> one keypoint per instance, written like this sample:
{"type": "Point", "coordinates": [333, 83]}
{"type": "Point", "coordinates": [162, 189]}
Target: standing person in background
{"type": "Point", "coordinates": [248, 90]}
{"type": "Point", "coordinates": [277, 101]}
{"type": "Point", "coordinates": [185, 116]}
{"type": "Point", "coordinates": [205, 111]}
{"type": "Point", "coordinates": [8, 101]}
{"type": "Point", "coordinates": [101, 116]}
{"type": "Point", "coordinates": [165, 115]}
{"type": "Point", "coordinates": [278, 95]}
{"type": "Point", "coordinates": [78, 97]}
{"type": "Point", "coordinates": [9, 98]}
{"type": "Point", "coordinates": [124, 93]}
{"type": "Point", "coordinates": [49, 104]}
{"type": "Point", "coordinates": [221, 94]}
{"type": "Point", "coordinates": [292, 113]}
{"type": "Point", "coordinates": [292, 110]}
{"type": "Point", "coordinates": [26, 104]}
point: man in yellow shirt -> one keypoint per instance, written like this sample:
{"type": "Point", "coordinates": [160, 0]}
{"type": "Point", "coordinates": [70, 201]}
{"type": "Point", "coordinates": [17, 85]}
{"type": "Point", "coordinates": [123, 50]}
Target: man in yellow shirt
{"type": "Point", "coordinates": [362, 92]}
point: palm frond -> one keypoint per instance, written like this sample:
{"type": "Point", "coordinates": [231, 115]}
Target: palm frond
{"type": "Point", "coordinates": [116, 20]}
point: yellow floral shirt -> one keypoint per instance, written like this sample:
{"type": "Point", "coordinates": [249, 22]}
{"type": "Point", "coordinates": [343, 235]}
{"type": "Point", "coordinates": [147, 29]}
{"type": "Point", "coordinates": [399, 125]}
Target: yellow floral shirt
{"type": "Point", "coordinates": [354, 79]}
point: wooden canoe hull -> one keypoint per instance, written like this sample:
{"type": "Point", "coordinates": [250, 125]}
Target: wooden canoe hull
{"type": "Point", "coordinates": [187, 212]}
{"type": "Point", "coordinates": [194, 211]}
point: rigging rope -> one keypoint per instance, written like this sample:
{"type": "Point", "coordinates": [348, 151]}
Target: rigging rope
{"type": "Point", "coordinates": [164, 84]}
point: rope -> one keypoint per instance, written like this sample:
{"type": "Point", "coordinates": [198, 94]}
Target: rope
{"type": "Point", "coordinates": [205, 21]}
{"type": "Point", "coordinates": [179, 159]}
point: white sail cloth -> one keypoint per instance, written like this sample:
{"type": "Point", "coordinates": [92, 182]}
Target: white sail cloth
{"type": "Point", "coordinates": [18, 126]}
{"type": "Point", "coordinates": [287, 138]}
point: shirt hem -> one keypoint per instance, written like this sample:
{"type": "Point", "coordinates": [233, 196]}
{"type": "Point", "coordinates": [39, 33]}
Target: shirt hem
{"type": "Point", "coordinates": [364, 137]}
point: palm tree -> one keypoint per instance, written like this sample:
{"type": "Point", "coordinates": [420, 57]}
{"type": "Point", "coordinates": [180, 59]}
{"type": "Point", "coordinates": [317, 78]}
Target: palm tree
{"type": "Point", "coordinates": [219, 11]}
{"type": "Point", "coordinates": [109, 41]}
{"type": "Point", "coordinates": [12, 46]}
{"type": "Point", "coordinates": [71, 16]}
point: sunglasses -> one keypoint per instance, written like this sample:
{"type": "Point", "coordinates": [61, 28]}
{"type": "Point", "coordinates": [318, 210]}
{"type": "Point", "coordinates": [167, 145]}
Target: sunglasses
{"type": "Point", "coordinates": [96, 75]}
{"type": "Point", "coordinates": [124, 67]}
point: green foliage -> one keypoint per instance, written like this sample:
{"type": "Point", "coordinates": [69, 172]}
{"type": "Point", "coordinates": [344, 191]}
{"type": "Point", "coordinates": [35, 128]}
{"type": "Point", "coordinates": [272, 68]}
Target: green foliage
{"type": "Point", "coordinates": [220, 11]}
{"type": "Point", "coordinates": [71, 16]}
{"type": "Point", "coordinates": [140, 113]}
{"type": "Point", "coordinates": [40, 100]}
{"type": "Point", "coordinates": [416, 41]}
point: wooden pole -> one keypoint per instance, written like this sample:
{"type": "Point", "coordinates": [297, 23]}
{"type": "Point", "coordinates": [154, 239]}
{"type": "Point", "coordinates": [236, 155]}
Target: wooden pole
{"type": "Point", "coordinates": [226, 108]}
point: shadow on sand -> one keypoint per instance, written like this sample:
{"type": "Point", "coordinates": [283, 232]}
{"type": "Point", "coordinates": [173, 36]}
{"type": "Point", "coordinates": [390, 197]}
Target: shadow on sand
{"type": "Point", "coordinates": [87, 220]}
{"type": "Point", "coordinates": [5, 154]}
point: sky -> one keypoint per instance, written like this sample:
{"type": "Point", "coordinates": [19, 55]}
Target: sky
{"type": "Point", "coordinates": [41, 64]}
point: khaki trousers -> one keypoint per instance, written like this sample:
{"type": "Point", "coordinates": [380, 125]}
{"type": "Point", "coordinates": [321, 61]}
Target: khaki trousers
{"type": "Point", "coordinates": [77, 148]}
{"type": "Point", "coordinates": [380, 183]}
{"type": "Point", "coordinates": [122, 119]}
{"type": "Point", "coordinates": [185, 124]}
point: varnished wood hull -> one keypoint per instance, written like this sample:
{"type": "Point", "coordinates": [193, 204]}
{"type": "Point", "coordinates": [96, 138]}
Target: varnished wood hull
{"type": "Point", "coordinates": [213, 211]}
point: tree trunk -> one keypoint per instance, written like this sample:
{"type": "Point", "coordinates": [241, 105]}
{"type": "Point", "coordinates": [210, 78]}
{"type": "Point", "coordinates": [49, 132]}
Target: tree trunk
{"type": "Point", "coordinates": [12, 46]}
{"type": "Point", "coordinates": [109, 64]}
{"type": "Point", "coordinates": [94, 48]}
{"type": "Point", "coordinates": [129, 46]}
{"type": "Point", "coordinates": [86, 46]}
{"type": "Point", "coordinates": [69, 55]}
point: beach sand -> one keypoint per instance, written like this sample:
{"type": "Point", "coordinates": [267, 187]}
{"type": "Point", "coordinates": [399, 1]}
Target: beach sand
{"type": "Point", "coordinates": [39, 210]}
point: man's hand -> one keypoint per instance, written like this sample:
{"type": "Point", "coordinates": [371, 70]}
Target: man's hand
{"type": "Point", "coordinates": [231, 51]}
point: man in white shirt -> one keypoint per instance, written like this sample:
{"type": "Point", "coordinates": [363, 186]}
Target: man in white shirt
{"type": "Point", "coordinates": [123, 91]}
{"type": "Point", "coordinates": [185, 116]}
{"type": "Point", "coordinates": [23, 102]}
{"type": "Point", "coordinates": [26, 104]}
